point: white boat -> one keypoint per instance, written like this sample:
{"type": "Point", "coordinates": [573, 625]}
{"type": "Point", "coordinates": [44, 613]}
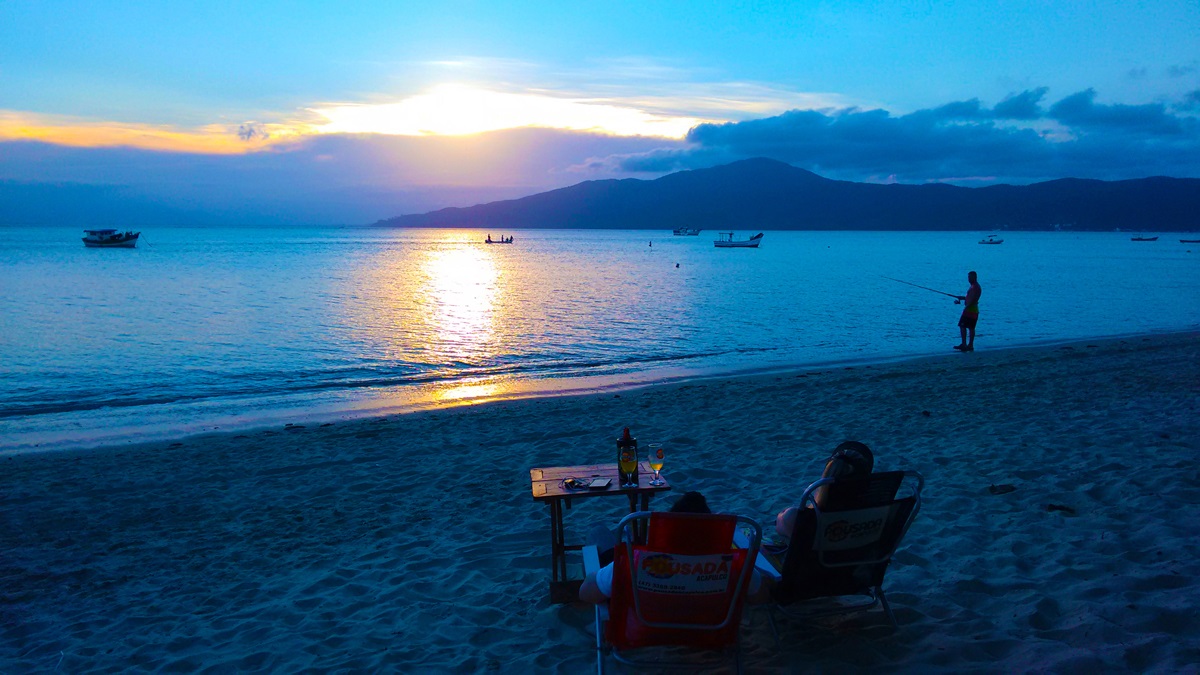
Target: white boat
{"type": "Point", "coordinates": [991, 239]}
{"type": "Point", "coordinates": [685, 232]}
{"type": "Point", "coordinates": [110, 238]}
{"type": "Point", "coordinates": [726, 241]}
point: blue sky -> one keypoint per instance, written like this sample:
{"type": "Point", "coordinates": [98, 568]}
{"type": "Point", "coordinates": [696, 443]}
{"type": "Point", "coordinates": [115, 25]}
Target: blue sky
{"type": "Point", "coordinates": [197, 111]}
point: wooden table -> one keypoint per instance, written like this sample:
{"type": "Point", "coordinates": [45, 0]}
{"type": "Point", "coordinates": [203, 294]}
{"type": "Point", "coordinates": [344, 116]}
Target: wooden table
{"type": "Point", "coordinates": [548, 487]}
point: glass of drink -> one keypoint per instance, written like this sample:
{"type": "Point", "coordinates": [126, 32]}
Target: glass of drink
{"type": "Point", "coordinates": [627, 464]}
{"type": "Point", "coordinates": [656, 457]}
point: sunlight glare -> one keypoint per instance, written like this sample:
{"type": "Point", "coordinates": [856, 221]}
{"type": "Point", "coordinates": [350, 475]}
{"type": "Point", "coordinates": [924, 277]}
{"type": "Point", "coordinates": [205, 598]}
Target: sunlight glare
{"type": "Point", "coordinates": [462, 282]}
{"type": "Point", "coordinates": [458, 110]}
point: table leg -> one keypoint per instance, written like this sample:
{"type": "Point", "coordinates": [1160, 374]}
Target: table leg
{"type": "Point", "coordinates": [562, 589]}
{"type": "Point", "coordinates": [558, 562]}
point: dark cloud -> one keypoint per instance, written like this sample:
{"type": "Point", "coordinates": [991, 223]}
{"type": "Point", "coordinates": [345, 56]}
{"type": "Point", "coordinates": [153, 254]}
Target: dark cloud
{"type": "Point", "coordinates": [961, 110]}
{"type": "Point", "coordinates": [251, 131]}
{"type": "Point", "coordinates": [1022, 106]}
{"type": "Point", "coordinates": [957, 142]}
{"type": "Point", "coordinates": [1081, 111]}
{"type": "Point", "coordinates": [1190, 102]}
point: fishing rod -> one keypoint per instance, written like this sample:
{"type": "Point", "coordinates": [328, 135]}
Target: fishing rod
{"type": "Point", "coordinates": [956, 298]}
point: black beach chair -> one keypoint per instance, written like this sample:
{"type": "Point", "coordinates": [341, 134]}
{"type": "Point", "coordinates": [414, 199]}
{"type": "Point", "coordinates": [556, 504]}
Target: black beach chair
{"type": "Point", "coordinates": [840, 550]}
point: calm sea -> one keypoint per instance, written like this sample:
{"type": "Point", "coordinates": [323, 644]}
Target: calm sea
{"type": "Point", "coordinates": [203, 328]}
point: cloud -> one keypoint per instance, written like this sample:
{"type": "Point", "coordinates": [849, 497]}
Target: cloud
{"type": "Point", "coordinates": [251, 131]}
{"type": "Point", "coordinates": [1081, 111]}
{"type": "Point", "coordinates": [1022, 106]}
{"type": "Point", "coordinates": [326, 179]}
{"type": "Point", "coordinates": [1181, 70]}
{"type": "Point", "coordinates": [1016, 141]}
{"type": "Point", "coordinates": [459, 110]}
{"type": "Point", "coordinates": [67, 170]}
{"type": "Point", "coordinates": [1190, 102]}
{"type": "Point", "coordinates": [213, 139]}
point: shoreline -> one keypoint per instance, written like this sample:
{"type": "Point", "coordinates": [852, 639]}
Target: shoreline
{"type": "Point", "coordinates": [421, 401]}
{"type": "Point", "coordinates": [412, 541]}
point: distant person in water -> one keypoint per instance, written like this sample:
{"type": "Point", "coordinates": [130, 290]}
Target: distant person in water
{"type": "Point", "coordinates": [970, 314]}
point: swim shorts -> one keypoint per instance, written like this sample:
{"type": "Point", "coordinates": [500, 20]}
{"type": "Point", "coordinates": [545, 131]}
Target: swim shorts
{"type": "Point", "coordinates": [969, 318]}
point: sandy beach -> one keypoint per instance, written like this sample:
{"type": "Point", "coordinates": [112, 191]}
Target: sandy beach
{"type": "Point", "coordinates": [412, 544]}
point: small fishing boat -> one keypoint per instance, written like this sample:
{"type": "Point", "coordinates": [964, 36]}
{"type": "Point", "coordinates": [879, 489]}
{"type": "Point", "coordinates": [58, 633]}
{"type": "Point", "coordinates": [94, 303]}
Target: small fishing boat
{"type": "Point", "coordinates": [501, 240]}
{"type": "Point", "coordinates": [685, 232]}
{"type": "Point", "coordinates": [727, 241]}
{"type": "Point", "coordinates": [991, 239]}
{"type": "Point", "coordinates": [110, 238]}
{"type": "Point", "coordinates": [1189, 241]}
{"type": "Point", "coordinates": [1143, 239]}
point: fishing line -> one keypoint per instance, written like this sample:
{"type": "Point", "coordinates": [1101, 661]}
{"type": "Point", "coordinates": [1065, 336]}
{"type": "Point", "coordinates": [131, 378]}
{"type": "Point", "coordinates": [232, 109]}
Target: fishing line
{"type": "Point", "coordinates": [922, 287]}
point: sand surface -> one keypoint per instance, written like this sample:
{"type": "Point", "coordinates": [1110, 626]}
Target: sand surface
{"type": "Point", "coordinates": [412, 544]}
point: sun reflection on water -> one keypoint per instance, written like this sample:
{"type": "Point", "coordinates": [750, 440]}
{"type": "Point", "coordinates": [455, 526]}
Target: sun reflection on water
{"type": "Point", "coordinates": [457, 298]}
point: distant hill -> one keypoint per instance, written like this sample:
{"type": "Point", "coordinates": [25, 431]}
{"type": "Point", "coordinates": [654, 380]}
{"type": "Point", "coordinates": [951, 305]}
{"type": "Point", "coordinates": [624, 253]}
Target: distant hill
{"type": "Point", "coordinates": [763, 194]}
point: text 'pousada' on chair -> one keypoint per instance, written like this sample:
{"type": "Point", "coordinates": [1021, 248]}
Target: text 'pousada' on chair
{"type": "Point", "coordinates": [678, 597]}
{"type": "Point", "coordinates": [846, 533]}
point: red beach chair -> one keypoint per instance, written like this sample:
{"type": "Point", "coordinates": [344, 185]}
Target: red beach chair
{"type": "Point", "coordinates": [683, 588]}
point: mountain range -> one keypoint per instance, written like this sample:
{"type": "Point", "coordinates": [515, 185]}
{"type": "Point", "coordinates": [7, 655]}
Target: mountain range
{"type": "Point", "coordinates": [764, 194]}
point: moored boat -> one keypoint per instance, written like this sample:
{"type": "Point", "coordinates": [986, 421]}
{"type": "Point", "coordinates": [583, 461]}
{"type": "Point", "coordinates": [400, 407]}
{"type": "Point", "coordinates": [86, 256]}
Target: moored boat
{"type": "Point", "coordinates": [1143, 239]}
{"type": "Point", "coordinates": [991, 239]}
{"type": "Point", "coordinates": [727, 241]}
{"type": "Point", "coordinates": [110, 238]}
{"type": "Point", "coordinates": [1189, 241]}
{"type": "Point", "coordinates": [685, 232]}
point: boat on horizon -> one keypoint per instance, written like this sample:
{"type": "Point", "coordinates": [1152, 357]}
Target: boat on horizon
{"type": "Point", "coordinates": [501, 240]}
{"type": "Point", "coordinates": [726, 241]}
{"type": "Point", "coordinates": [110, 238]}
{"type": "Point", "coordinates": [991, 239]}
{"type": "Point", "coordinates": [1143, 239]}
{"type": "Point", "coordinates": [1189, 241]}
{"type": "Point", "coordinates": [685, 232]}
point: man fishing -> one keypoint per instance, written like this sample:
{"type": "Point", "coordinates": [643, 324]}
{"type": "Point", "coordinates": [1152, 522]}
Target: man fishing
{"type": "Point", "coordinates": [970, 314]}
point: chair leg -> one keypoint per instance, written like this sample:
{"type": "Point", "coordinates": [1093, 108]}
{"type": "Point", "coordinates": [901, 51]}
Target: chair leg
{"type": "Point", "coordinates": [599, 643]}
{"type": "Point", "coordinates": [774, 628]}
{"type": "Point", "coordinates": [886, 607]}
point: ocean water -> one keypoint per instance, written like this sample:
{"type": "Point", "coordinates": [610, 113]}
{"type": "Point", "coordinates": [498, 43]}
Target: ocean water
{"type": "Point", "coordinates": [224, 328]}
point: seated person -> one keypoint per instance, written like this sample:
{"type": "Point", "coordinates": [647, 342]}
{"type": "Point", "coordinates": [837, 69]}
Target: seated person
{"type": "Point", "coordinates": [597, 587]}
{"type": "Point", "coordinates": [849, 459]}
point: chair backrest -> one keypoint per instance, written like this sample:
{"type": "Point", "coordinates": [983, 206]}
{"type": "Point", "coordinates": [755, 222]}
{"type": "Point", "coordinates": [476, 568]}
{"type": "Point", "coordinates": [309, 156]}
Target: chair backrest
{"type": "Point", "coordinates": [843, 545]}
{"type": "Point", "coordinates": [685, 586]}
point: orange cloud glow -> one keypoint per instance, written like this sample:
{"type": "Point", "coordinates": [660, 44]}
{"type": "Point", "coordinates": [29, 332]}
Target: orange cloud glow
{"type": "Point", "coordinates": [211, 139]}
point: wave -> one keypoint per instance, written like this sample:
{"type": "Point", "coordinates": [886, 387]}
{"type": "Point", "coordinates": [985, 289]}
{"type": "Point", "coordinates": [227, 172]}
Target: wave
{"type": "Point", "coordinates": [219, 386]}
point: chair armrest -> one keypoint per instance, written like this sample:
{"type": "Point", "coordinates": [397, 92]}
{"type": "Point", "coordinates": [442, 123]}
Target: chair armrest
{"type": "Point", "coordinates": [591, 560]}
{"type": "Point", "coordinates": [761, 561]}
{"type": "Point", "coordinates": [591, 565]}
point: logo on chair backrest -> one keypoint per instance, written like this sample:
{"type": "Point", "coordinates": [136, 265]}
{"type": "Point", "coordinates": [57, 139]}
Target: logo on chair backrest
{"type": "Point", "coordinates": [851, 529]}
{"type": "Point", "coordinates": [683, 574]}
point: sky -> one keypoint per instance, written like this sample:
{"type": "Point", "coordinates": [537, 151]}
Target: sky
{"type": "Point", "coordinates": [279, 112]}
